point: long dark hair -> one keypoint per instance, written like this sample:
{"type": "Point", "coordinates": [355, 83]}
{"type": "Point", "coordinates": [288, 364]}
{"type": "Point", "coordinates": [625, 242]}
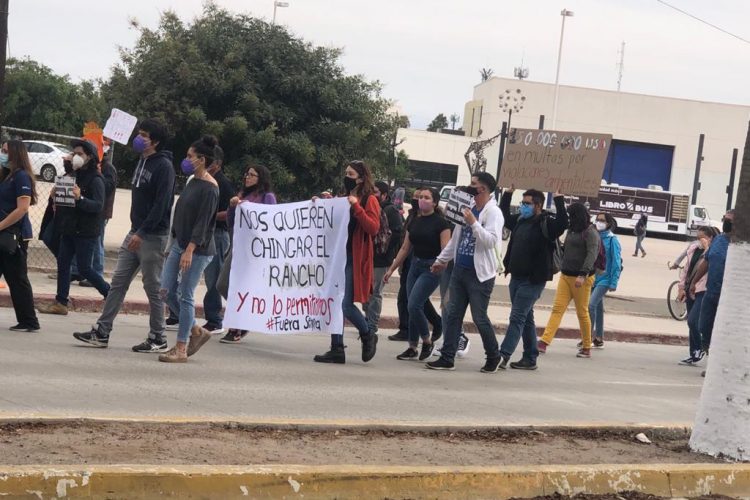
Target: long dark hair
{"type": "Point", "coordinates": [580, 219]}
{"type": "Point", "coordinates": [263, 185]}
{"type": "Point", "coordinates": [366, 187]}
{"type": "Point", "coordinates": [18, 159]}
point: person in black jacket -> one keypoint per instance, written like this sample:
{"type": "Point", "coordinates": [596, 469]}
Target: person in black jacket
{"type": "Point", "coordinates": [109, 174]}
{"type": "Point", "coordinates": [528, 260]}
{"type": "Point", "coordinates": [79, 225]}
{"type": "Point", "coordinates": [143, 248]}
{"type": "Point", "coordinates": [383, 261]}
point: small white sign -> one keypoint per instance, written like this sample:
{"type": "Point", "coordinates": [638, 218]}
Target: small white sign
{"type": "Point", "coordinates": [457, 202]}
{"type": "Point", "coordinates": [120, 126]}
{"type": "Point", "coordinates": [64, 191]}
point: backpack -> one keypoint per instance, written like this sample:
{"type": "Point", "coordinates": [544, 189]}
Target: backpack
{"type": "Point", "coordinates": [556, 246]}
{"type": "Point", "coordinates": [382, 239]}
{"type": "Point", "coordinates": [600, 264]}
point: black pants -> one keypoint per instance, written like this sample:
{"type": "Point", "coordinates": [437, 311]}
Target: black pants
{"type": "Point", "coordinates": [13, 268]}
{"type": "Point", "coordinates": [403, 304]}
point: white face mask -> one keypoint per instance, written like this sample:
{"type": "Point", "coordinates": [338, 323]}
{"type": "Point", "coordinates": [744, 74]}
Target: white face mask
{"type": "Point", "coordinates": [77, 161]}
{"type": "Point", "coordinates": [601, 226]}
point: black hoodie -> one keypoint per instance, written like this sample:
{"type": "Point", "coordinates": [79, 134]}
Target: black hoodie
{"type": "Point", "coordinates": [152, 194]}
{"type": "Point", "coordinates": [84, 219]}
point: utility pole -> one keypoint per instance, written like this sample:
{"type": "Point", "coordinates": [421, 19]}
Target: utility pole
{"type": "Point", "coordinates": [3, 55]}
{"type": "Point", "coordinates": [621, 66]}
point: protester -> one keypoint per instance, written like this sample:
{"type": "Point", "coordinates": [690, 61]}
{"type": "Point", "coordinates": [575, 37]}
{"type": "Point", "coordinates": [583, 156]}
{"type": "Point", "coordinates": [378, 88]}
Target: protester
{"type": "Point", "coordinates": [640, 235]}
{"type": "Point", "coordinates": [402, 301]}
{"type": "Point", "coordinates": [693, 301]}
{"type": "Point", "coordinates": [577, 270]}
{"type": "Point", "coordinates": [79, 226]}
{"type": "Point", "coordinates": [143, 248]}
{"type": "Point", "coordinates": [473, 250]}
{"type": "Point", "coordinates": [714, 260]}
{"type": "Point", "coordinates": [17, 194]}
{"type": "Point", "coordinates": [193, 248]}
{"type": "Point", "coordinates": [257, 189]}
{"type": "Point", "coordinates": [382, 261]}
{"type": "Point", "coordinates": [427, 235]}
{"type": "Point", "coordinates": [363, 226]}
{"type": "Point", "coordinates": [608, 279]}
{"type": "Point", "coordinates": [528, 260]}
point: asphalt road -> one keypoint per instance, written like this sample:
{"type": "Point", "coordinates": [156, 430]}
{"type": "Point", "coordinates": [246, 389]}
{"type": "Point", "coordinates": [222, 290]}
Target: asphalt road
{"type": "Point", "coordinates": [274, 378]}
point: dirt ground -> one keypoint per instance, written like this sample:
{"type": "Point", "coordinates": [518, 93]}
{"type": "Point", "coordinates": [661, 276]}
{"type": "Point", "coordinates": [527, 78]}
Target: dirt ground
{"type": "Point", "coordinates": [230, 444]}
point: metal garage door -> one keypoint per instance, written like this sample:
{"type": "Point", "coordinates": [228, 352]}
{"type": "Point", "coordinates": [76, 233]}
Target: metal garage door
{"type": "Point", "coordinates": [639, 164]}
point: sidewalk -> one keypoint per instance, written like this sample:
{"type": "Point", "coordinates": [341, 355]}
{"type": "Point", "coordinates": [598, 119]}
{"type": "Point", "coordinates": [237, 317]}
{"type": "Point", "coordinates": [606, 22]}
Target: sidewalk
{"type": "Point", "coordinates": [618, 327]}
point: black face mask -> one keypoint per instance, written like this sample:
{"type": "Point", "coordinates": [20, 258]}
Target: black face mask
{"type": "Point", "coordinates": [726, 226]}
{"type": "Point", "coordinates": [471, 190]}
{"type": "Point", "coordinates": [349, 184]}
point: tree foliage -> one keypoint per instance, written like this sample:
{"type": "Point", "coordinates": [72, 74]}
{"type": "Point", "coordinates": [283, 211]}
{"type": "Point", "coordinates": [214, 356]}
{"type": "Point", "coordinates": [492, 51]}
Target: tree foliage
{"type": "Point", "coordinates": [269, 97]}
{"type": "Point", "coordinates": [38, 99]}
{"type": "Point", "coordinates": [439, 122]}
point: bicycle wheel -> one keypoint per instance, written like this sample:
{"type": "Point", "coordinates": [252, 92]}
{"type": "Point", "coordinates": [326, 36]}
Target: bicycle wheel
{"type": "Point", "coordinates": [677, 309]}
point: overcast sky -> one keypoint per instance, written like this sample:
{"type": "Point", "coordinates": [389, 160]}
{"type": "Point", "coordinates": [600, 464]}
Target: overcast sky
{"type": "Point", "coordinates": [428, 53]}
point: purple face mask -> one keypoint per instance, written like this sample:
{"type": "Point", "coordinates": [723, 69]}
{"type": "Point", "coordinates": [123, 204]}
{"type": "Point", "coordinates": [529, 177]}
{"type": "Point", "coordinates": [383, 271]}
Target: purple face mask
{"type": "Point", "coordinates": [187, 167]}
{"type": "Point", "coordinates": [139, 144]}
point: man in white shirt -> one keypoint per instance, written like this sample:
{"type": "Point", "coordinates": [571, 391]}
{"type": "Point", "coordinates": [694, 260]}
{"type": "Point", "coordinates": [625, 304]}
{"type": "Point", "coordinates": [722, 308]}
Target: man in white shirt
{"type": "Point", "coordinates": [474, 248]}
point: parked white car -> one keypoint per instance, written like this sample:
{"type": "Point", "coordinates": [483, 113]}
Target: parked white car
{"type": "Point", "coordinates": [47, 158]}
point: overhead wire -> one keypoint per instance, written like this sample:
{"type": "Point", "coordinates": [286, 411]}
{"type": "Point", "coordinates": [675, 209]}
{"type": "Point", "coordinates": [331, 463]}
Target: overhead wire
{"type": "Point", "coordinates": [663, 2]}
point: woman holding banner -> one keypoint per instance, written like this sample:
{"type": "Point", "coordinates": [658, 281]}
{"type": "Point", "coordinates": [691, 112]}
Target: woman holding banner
{"type": "Point", "coordinates": [427, 235]}
{"type": "Point", "coordinates": [363, 226]}
{"type": "Point", "coordinates": [256, 189]}
{"type": "Point", "coordinates": [193, 247]}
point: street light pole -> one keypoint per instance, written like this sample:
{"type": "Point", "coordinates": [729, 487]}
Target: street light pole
{"type": "Point", "coordinates": [4, 43]}
{"type": "Point", "coordinates": [564, 13]}
{"type": "Point", "coordinates": [277, 4]}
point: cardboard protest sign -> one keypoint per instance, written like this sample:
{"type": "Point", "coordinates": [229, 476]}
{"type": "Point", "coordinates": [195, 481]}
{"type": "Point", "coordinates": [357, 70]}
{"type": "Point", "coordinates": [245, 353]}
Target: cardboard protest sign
{"type": "Point", "coordinates": [454, 208]}
{"type": "Point", "coordinates": [64, 191]}
{"type": "Point", "coordinates": [288, 267]}
{"type": "Point", "coordinates": [119, 126]}
{"type": "Point", "coordinates": [552, 160]}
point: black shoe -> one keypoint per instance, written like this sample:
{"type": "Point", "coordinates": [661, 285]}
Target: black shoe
{"type": "Point", "coordinates": [401, 336]}
{"type": "Point", "coordinates": [23, 328]}
{"type": "Point", "coordinates": [426, 351]}
{"type": "Point", "coordinates": [408, 354]}
{"type": "Point", "coordinates": [233, 336]}
{"type": "Point", "coordinates": [172, 323]}
{"type": "Point", "coordinates": [335, 355]}
{"type": "Point", "coordinates": [93, 337]}
{"type": "Point", "coordinates": [491, 365]}
{"type": "Point", "coordinates": [524, 364]}
{"type": "Point", "coordinates": [86, 284]}
{"type": "Point", "coordinates": [440, 364]}
{"type": "Point", "coordinates": [369, 346]}
{"type": "Point", "coordinates": [437, 332]}
{"type": "Point", "coordinates": [503, 362]}
{"type": "Point", "coordinates": [149, 345]}
{"type": "Point", "coordinates": [598, 343]}
{"type": "Point", "coordinates": [214, 329]}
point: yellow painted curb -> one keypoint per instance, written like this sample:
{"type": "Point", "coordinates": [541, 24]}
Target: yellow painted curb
{"type": "Point", "coordinates": [370, 482]}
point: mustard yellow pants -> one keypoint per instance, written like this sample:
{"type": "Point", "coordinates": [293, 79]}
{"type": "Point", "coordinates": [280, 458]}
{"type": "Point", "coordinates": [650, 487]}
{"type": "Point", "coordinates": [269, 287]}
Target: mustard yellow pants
{"type": "Point", "coordinates": [567, 291]}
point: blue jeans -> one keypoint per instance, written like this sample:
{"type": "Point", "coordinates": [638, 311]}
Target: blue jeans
{"type": "Point", "coordinates": [98, 262]}
{"type": "Point", "coordinates": [212, 299]}
{"type": "Point", "coordinates": [708, 315]}
{"type": "Point", "coordinates": [596, 309]}
{"type": "Point", "coordinates": [403, 303]}
{"type": "Point", "coordinates": [466, 290]}
{"type": "Point", "coordinates": [523, 296]}
{"type": "Point", "coordinates": [419, 286]}
{"type": "Point", "coordinates": [639, 244]}
{"type": "Point", "coordinates": [693, 321]}
{"type": "Point", "coordinates": [351, 312]}
{"type": "Point", "coordinates": [179, 287]}
{"type": "Point", "coordinates": [83, 250]}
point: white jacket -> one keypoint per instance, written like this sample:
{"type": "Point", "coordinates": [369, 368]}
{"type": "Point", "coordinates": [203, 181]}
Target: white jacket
{"type": "Point", "coordinates": [488, 231]}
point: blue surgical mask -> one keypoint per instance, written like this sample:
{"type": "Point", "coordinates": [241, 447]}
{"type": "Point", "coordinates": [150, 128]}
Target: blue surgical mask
{"type": "Point", "coordinates": [526, 211]}
{"type": "Point", "coordinates": [4, 160]}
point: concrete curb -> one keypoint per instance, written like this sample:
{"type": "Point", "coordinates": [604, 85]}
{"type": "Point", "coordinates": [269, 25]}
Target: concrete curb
{"type": "Point", "coordinates": [365, 482]}
{"type": "Point", "coordinates": [94, 305]}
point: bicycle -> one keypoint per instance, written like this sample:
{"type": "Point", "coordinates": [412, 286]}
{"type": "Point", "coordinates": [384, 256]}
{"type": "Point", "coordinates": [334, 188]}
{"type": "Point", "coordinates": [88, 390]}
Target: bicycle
{"type": "Point", "coordinates": [677, 308]}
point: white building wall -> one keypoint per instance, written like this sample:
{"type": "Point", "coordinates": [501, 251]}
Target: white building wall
{"type": "Point", "coordinates": [633, 117]}
{"type": "Point", "coordinates": [439, 148]}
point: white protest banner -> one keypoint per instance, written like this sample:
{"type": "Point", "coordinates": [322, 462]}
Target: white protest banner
{"type": "Point", "coordinates": [119, 126]}
{"type": "Point", "coordinates": [457, 202]}
{"type": "Point", "coordinates": [64, 191]}
{"type": "Point", "coordinates": [288, 261]}
{"type": "Point", "coordinates": [553, 160]}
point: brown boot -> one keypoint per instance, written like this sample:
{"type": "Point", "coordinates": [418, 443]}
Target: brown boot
{"type": "Point", "coordinates": [198, 337]}
{"type": "Point", "coordinates": [174, 355]}
{"type": "Point", "coordinates": [54, 308]}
